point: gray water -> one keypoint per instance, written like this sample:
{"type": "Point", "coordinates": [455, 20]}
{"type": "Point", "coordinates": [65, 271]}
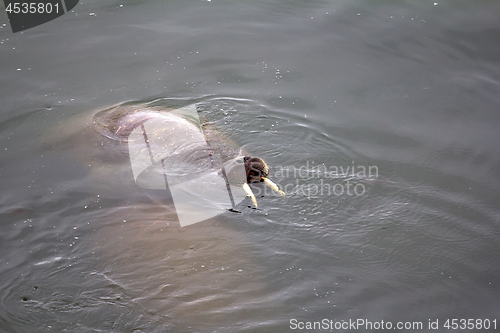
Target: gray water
{"type": "Point", "coordinates": [410, 89]}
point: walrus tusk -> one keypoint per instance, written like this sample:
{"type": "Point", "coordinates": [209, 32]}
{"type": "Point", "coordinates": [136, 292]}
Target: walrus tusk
{"type": "Point", "coordinates": [249, 193]}
{"type": "Point", "coordinates": [273, 186]}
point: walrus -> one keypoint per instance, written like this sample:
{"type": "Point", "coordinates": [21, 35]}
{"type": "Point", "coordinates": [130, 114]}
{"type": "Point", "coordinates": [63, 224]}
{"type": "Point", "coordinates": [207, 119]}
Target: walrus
{"type": "Point", "coordinates": [172, 143]}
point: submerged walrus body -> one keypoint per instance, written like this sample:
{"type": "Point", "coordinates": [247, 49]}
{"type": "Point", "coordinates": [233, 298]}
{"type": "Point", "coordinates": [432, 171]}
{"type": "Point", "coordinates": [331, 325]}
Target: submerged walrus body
{"type": "Point", "coordinates": [171, 146]}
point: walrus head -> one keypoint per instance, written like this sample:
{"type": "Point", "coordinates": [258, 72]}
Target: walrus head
{"type": "Point", "coordinates": [257, 171]}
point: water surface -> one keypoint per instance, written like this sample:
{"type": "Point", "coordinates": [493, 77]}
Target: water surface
{"type": "Point", "coordinates": [410, 88]}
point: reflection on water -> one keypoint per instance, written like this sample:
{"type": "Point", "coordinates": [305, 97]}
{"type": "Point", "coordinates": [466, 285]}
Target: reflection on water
{"type": "Point", "coordinates": [141, 273]}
